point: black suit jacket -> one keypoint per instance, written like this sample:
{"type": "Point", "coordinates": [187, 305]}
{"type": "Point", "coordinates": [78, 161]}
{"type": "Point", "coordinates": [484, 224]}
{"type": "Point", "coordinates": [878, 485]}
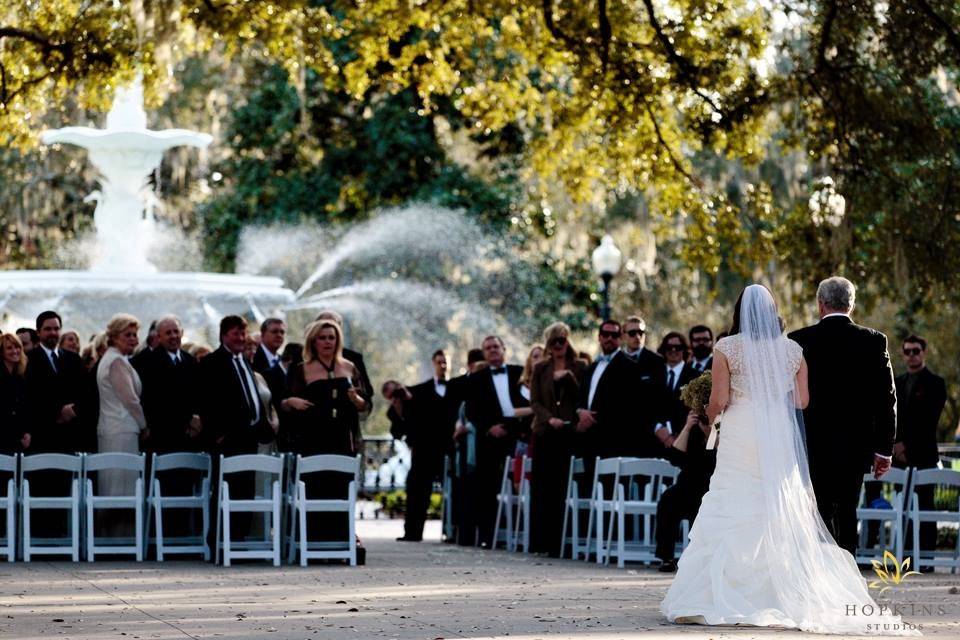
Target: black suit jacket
{"type": "Point", "coordinates": [918, 416]}
{"type": "Point", "coordinates": [223, 408]}
{"type": "Point", "coordinates": [674, 409]}
{"type": "Point", "coordinates": [49, 392]}
{"type": "Point", "coordinates": [261, 362]}
{"type": "Point", "coordinates": [170, 399]}
{"type": "Point", "coordinates": [483, 410]}
{"type": "Point", "coordinates": [853, 403]}
{"type": "Point", "coordinates": [14, 411]}
{"type": "Point", "coordinates": [432, 418]}
{"type": "Point", "coordinates": [627, 405]}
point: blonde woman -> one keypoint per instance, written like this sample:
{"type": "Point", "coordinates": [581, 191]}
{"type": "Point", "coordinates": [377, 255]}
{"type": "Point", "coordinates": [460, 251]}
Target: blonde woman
{"type": "Point", "coordinates": [14, 417]}
{"type": "Point", "coordinates": [121, 417]}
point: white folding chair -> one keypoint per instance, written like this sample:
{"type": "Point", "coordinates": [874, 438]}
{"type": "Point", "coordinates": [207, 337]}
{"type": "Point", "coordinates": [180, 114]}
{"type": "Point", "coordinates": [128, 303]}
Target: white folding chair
{"type": "Point", "coordinates": [245, 549]}
{"type": "Point", "coordinates": [303, 505]}
{"type": "Point", "coordinates": [606, 471]}
{"type": "Point", "coordinates": [8, 545]}
{"type": "Point", "coordinates": [521, 533]}
{"type": "Point", "coordinates": [95, 500]}
{"type": "Point", "coordinates": [44, 462]}
{"type": "Point", "coordinates": [506, 508]}
{"type": "Point", "coordinates": [947, 482]}
{"type": "Point", "coordinates": [197, 465]}
{"type": "Point", "coordinates": [896, 485]}
{"type": "Point", "coordinates": [651, 476]}
{"type": "Point", "coordinates": [573, 506]}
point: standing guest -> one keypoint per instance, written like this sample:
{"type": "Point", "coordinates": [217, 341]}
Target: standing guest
{"type": "Point", "coordinates": [921, 396]}
{"type": "Point", "coordinates": [149, 345]}
{"type": "Point", "coordinates": [277, 381]}
{"type": "Point", "coordinates": [701, 347]}
{"type": "Point", "coordinates": [250, 347]}
{"type": "Point", "coordinates": [674, 349]}
{"type": "Point", "coordinates": [534, 358]}
{"type": "Point", "coordinates": [365, 386]}
{"type": "Point", "coordinates": [273, 331]}
{"type": "Point", "coordinates": [681, 501]}
{"type": "Point", "coordinates": [649, 364]}
{"type": "Point", "coordinates": [852, 416]}
{"type": "Point", "coordinates": [70, 341]}
{"type": "Point", "coordinates": [323, 407]}
{"type": "Point", "coordinates": [122, 422]}
{"type": "Point", "coordinates": [555, 389]}
{"type": "Point", "coordinates": [28, 338]}
{"type": "Point", "coordinates": [492, 398]}
{"type": "Point", "coordinates": [525, 414]}
{"type": "Point", "coordinates": [170, 392]}
{"type": "Point", "coordinates": [55, 382]}
{"type": "Point", "coordinates": [14, 403]}
{"type": "Point", "coordinates": [464, 485]}
{"type": "Point", "coordinates": [197, 350]}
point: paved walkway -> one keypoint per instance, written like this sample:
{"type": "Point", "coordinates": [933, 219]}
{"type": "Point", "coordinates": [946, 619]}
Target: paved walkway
{"type": "Point", "coordinates": [424, 591]}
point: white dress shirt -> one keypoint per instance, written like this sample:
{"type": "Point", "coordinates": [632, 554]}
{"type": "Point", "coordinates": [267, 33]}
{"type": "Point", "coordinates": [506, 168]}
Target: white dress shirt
{"type": "Point", "coordinates": [677, 368]}
{"type": "Point", "coordinates": [602, 363]}
{"type": "Point", "coordinates": [501, 383]}
{"type": "Point", "coordinates": [272, 358]}
{"type": "Point", "coordinates": [440, 386]}
{"type": "Point", "coordinates": [50, 353]}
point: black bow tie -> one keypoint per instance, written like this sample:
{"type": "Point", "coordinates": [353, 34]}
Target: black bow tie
{"type": "Point", "coordinates": [498, 370]}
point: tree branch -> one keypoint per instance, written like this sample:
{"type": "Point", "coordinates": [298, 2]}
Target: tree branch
{"type": "Point", "coordinates": [953, 38]}
{"type": "Point", "coordinates": [29, 36]}
{"type": "Point", "coordinates": [825, 35]}
{"type": "Point", "coordinates": [554, 30]}
{"type": "Point", "coordinates": [673, 159]}
{"type": "Point", "coordinates": [605, 33]}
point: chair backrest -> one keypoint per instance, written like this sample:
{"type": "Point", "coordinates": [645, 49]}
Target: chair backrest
{"type": "Point", "coordinates": [577, 467]}
{"type": "Point", "coordinates": [939, 477]}
{"type": "Point", "coordinates": [893, 476]}
{"type": "Point", "coordinates": [114, 460]}
{"type": "Point", "coordinates": [252, 462]}
{"type": "Point", "coordinates": [650, 467]}
{"type": "Point", "coordinates": [605, 467]}
{"type": "Point", "coordinates": [170, 461]}
{"type": "Point", "coordinates": [328, 462]}
{"type": "Point", "coordinates": [58, 461]}
{"type": "Point", "coordinates": [8, 463]}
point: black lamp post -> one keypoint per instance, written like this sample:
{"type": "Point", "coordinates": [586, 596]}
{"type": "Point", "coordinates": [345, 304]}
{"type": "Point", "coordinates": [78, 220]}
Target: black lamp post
{"type": "Point", "coordinates": [606, 263]}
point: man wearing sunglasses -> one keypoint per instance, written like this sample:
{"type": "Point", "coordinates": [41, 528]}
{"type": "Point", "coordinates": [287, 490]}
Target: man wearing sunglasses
{"type": "Point", "coordinates": [650, 365]}
{"type": "Point", "coordinates": [921, 396]}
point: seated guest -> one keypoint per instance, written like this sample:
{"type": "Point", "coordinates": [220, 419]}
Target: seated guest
{"type": "Point", "coordinates": [681, 501]}
{"type": "Point", "coordinates": [674, 349]}
{"type": "Point", "coordinates": [701, 347]}
{"type": "Point", "coordinates": [555, 388]}
{"type": "Point", "coordinates": [921, 396]}
{"type": "Point", "coordinates": [70, 341]}
{"type": "Point", "coordinates": [28, 338]}
{"type": "Point", "coordinates": [272, 333]}
{"type": "Point", "coordinates": [14, 404]}
{"type": "Point", "coordinates": [170, 387]}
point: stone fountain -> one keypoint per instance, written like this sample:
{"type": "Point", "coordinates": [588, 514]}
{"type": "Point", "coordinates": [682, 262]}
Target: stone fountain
{"type": "Point", "coordinates": [121, 277]}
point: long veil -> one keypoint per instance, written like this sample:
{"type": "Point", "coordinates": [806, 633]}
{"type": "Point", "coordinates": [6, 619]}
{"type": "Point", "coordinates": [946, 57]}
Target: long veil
{"type": "Point", "coordinates": [818, 582]}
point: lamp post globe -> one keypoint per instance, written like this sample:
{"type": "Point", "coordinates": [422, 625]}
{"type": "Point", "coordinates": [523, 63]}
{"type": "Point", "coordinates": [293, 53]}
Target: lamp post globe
{"type": "Point", "coordinates": [606, 260]}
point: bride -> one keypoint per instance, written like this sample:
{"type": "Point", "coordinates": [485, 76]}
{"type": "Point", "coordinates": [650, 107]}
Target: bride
{"type": "Point", "coordinates": [759, 553]}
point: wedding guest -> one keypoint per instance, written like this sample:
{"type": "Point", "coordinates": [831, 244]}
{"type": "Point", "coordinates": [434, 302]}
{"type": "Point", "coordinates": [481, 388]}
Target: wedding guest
{"type": "Point", "coordinates": [701, 348]}
{"type": "Point", "coordinates": [28, 338]}
{"type": "Point", "coordinates": [171, 382]}
{"type": "Point", "coordinates": [197, 350]}
{"type": "Point", "coordinates": [276, 377]}
{"type": "Point", "coordinates": [525, 414]}
{"type": "Point", "coordinates": [70, 341]}
{"type": "Point", "coordinates": [323, 405]}
{"type": "Point", "coordinates": [492, 398]}
{"type": "Point", "coordinates": [921, 397]}
{"type": "Point", "coordinates": [681, 501]}
{"type": "Point", "coordinates": [148, 346]}
{"type": "Point", "coordinates": [14, 402]}
{"type": "Point", "coordinates": [464, 485]}
{"type": "Point", "coordinates": [273, 331]}
{"type": "Point", "coordinates": [122, 422]}
{"type": "Point", "coordinates": [649, 364]}
{"type": "Point", "coordinates": [675, 350]}
{"type": "Point", "coordinates": [250, 347]}
{"type": "Point", "coordinates": [364, 386]}
{"type": "Point", "coordinates": [534, 357]}
{"type": "Point", "coordinates": [555, 389]}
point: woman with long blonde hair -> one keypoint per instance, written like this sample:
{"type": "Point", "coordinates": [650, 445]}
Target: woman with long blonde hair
{"type": "Point", "coordinates": [14, 408]}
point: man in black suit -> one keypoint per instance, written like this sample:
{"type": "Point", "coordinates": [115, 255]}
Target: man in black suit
{"type": "Point", "coordinates": [673, 348]}
{"type": "Point", "coordinates": [921, 395]}
{"type": "Point", "coordinates": [701, 347]}
{"type": "Point", "coordinates": [273, 331]}
{"type": "Point", "coordinates": [649, 364]}
{"type": "Point", "coordinates": [55, 384]}
{"type": "Point", "coordinates": [492, 397]}
{"type": "Point", "coordinates": [28, 338]}
{"type": "Point", "coordinates": [170, 392]}
{"type": "Point", "coordinates": [149, 346]}
{"type": "Point", "coordinates": [851, 419]}
{"type": "Point", "coordinates": [464, 463]}
{"type": "Point", "coordinates": [431, 424]}
{"type": "Point", "coordinates": [276, 377]}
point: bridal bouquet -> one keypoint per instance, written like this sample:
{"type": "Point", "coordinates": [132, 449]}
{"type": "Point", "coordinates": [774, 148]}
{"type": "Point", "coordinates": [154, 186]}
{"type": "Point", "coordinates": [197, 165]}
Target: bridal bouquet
{"type": "Point", "coordinates": [696, 394]}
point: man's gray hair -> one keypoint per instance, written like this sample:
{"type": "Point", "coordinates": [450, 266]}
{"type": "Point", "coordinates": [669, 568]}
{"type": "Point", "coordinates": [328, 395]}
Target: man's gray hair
{"type": "Point", "coordinates": [837, 294]}
{"type": "Point", "coordinates": [168, 319]}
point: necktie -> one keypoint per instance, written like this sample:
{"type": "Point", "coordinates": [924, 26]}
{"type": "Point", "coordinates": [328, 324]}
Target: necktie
{"type": "Point", "coordinates": [670, 378]}
{"type": "Point", "coordinates": [698, 367]}
{"type": "Point", "coordinates": [247, 393]}
{"type": "Point", "coordinates": [55, 361]}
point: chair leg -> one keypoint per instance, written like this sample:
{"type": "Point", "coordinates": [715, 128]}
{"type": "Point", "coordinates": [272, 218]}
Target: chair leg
{"type": "Point", "coordinates": [158, 520]}
{"type": "Point", "coordinates": [91, 541]}
{"type": "Point", "coordinates": [205, 516]}
{"type": "Point", "coordinates": [277, 526]}
{"type": "Point", "coordinates": [621, 543]}
{"type": "Point", "coordinates": [351, 529]}
{"type": "Point", "coordinates": [138, 515]}
{"type": "Point", "coordinates": [916, 543]}
{"type": "Point", "coordinates": [496, 526]}
{"type": "Point", "coordinates": [575, 530]}
{"type": "Point", "coordinates": [600, 538]}
{"type": "Point", "coordinates": [302, 521]}
{"type": "Point", "coordinates": [26, 526]}
{"type": "Point", "coordinates": [563, 531]}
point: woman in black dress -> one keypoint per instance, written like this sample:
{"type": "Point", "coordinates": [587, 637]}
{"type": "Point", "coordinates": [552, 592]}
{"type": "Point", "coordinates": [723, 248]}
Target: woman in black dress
{"type": "Point", "coordinates": [323, 408]}
{"type": "Point", "coordinates": [14, 420]}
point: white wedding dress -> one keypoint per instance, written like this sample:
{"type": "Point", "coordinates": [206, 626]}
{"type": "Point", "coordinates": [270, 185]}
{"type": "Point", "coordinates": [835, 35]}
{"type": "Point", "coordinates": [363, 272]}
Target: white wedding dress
{"type": "Point", "coordinates": [759, 553]}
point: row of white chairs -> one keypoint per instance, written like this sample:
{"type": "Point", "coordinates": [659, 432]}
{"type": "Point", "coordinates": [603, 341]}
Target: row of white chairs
{"type": "Point", "coordinates": [83, 500]}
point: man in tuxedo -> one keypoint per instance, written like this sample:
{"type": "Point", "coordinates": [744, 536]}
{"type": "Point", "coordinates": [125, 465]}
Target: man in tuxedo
{"type": "Point", "coordinates": [273, 331]}
{"type": "Point", "coordinates": [55, 384]}
{"type": "Point", "coordinates": [701, 346]}
{"type": "Point", "coordinates": [681, 501]}
{"type": "Point", "coordinates": [649, 364]}
{"type": "Point", "coordinates": [674, 350]}
{"type": "Point", "coordinates": [276, 377]}
{"type": "Point", "coordinates": [492, 397]}
{"type": "Point", "coordinates": [464, 485]}
{"type": "Point", "coordinates": [150, 345]}
{"type": "Point", "coordinates": [170, 392]}
{"type": "Point", "coordinates": [28, 338]}
{"type": "Point", "coordinates": [922, 395]}
{"type": "Point", "coordinates": [606, 426]}
{"type": "Point", "coordinates": [851, 419]}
